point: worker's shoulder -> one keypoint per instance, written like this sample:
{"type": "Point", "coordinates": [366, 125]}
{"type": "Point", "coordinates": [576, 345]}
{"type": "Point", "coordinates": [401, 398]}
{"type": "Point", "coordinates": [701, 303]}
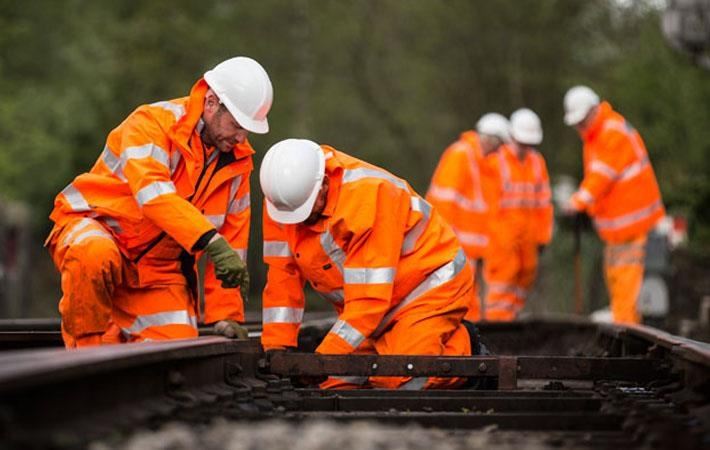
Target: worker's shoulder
{"type": "Point", "coordinates": [164, 110]}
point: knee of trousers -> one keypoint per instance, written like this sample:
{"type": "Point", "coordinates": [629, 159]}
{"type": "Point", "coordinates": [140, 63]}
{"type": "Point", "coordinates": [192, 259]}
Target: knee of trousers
{"type": "Point", "coordinates": [94, 260]}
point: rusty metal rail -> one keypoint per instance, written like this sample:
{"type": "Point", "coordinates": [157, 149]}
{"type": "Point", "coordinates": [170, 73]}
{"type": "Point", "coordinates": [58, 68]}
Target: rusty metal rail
{"type": "Point", "coordinates": [596, 386]}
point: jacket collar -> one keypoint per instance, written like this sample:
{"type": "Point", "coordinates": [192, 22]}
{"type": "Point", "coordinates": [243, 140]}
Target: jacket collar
{"type": "Point", "coordinates": [603, 113]}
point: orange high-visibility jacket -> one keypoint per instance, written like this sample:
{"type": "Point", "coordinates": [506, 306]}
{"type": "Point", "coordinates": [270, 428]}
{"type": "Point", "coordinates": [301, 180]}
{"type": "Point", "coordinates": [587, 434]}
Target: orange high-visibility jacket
{"type": "Point", "coordinates": [157, 190]}
{"type": "Point", "coordinates": [619, 189]}
{"type": "Point", "coordinates": [522, 209]}
{"type": "Point", "coordinates": [375, 254]}
{"type": "Point", "coordinates": [459, 191]}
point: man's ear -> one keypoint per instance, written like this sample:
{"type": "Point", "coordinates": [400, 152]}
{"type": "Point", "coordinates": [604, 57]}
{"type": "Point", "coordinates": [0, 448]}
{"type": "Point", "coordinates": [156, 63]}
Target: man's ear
{"type": "Point", "coordinates": [211, 101]}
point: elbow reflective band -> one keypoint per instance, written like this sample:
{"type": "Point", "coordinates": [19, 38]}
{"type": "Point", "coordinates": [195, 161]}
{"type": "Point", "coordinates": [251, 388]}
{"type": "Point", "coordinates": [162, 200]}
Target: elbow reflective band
{"type": "Point", "coordinates": [369, 275]}
{"type": "Point", "coordinates": [154, 190]}
{"type": "Point", "coordinates": [76, 200]}
{"type": "Point", "coordinates": [282, 314]}
{"type": "Point", "coordinates": [584, 196]}
{"type": "Point", "coordinates": [180, 317]}
{"type": "Point", "coordinates": [337, 296]}
{"type": "Point", "coordinates": [146, 151]}
{"type": "Point", "coordinates": [216, 219]}
{"type": "Point", "coordinates": [603, 169]}
{"type": "Point", "coordinates": [348, 333]}
{"type": "Point", "coordinates": [470, 238]}
{"type": "Point", "coordinates": [276, 249]}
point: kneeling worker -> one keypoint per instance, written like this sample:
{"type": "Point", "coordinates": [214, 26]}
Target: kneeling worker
{"type": "Point", "coordinates": [368, 243]}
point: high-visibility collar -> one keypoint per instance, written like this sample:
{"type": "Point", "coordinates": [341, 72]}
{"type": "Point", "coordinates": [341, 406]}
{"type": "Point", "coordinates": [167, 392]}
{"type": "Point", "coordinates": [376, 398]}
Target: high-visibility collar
{"type": "Point", "coordinates": [604, 112]}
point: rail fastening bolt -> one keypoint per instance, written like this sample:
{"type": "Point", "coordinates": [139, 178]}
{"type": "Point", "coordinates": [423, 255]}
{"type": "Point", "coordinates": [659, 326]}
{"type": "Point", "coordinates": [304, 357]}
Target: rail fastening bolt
{"type": "Point", "coordinates": [410, 366]}
{"type": "Point", "coordinates": [374, 366]}
{"type": "Point", "coordinates": [482, 367]}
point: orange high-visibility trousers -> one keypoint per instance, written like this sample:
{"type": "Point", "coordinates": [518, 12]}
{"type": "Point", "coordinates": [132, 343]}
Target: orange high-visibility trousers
{"type": "Point", "coordinates": [623, 270]}
{"type": "Point", "coordinates": [427, 332]}
{"type": "Point", "coordinates": [97, 307]}
{"type": "Point", "coordinates": [510, 274]}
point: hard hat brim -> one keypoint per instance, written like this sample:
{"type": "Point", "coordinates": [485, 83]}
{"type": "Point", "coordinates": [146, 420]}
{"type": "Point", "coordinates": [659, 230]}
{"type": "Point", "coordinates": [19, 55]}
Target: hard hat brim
{"type": "Point", "coordinates": [572, 118]}
{"type": "Point", "coordinates": [249, 124]}
{"type": "Point", "coordinates": [528, 138]}
{"type": "Point", "coordinates": [299, 214]}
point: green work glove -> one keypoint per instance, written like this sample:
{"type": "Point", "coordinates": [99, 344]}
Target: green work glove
{"type": "Point", "coordinates": [231, 329]}
{"type": "Point", "coordinates": [228, 266]}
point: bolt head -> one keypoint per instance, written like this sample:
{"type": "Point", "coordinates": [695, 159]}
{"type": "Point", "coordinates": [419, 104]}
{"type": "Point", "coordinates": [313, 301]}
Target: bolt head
{"type": "Point", "coordinates": [410, 366]}
{"type": "Point", "coordinates": [482, 367]}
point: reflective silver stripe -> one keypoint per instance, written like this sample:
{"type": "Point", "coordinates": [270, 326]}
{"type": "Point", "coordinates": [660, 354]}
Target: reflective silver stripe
{"type": "Point", "coordinates": [332, 249]}
{"type": "Point", "coordinates": [90, 234]}
{"type": "Point", "coordinates": [113, 224]}
{"type": "Point", "coordinates": [83, 223]}
{"type": "Point", "coordinates": [240, 204]}
{"type": "Point", "coordinates": [492, 306]}
{"type": "Point", "coordinates": [413, 235]}
{"type": "Point", "coordinates": [352, 380]}
{"type": "Point", "coordinates": [276, 249]}
{"type": "Point", "coordinates": [351, 175]}
{"type": "Point", "coordinates": [177, 110]}
{"type": "Point", "coordinates": [242, 252]}
{"type": "Point", "coordinates": [146, 151]}
{"type": "Point", "coordinates": [337, 296]}
{"type": "Point", "coordinates": [445, 194]}
{"type": "Point", "coordinates": [76, 200]}
{"type": "Point", "coordinates": [628, 219]}
{"type": "Point", "coordinates": [603, 168]}
{"type": "Point", "coordinates": [445, 273]}
{"type": "Point", "coordinates": [504, 288]}
{"type": "Point", "coordinates": [524, 203]}
{"type": "Point", "coordinates": [415, 384]}
{"type": "Point", "coordinates": [369, 275]}
{"type": "Point", "coordinates": [154, 190]}
{"type": "Point", "coordinates": [282, 314]}
{"type": "Point", "coordinates": [175, 160]}
{"type": "Point", "coordinates": [180, 317]}
{"type": "Point", "coordinates": [348, 333]}
{"type": "Point", "coordinates": [470, 238]}
{"type": "Point", "coordinates": [113, 162]}
{"type": "Point", "coordinates": [234, 187]}
{"type": "Point", "coordinates": [634, 169]}
{"type": "Point", "coordinates": [216, 219]}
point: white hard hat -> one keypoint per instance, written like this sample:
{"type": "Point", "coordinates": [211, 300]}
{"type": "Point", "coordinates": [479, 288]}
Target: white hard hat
{"type": "Point", "coordinates": [578, 101]}
{"type": "Point", "coordinates": [291, 176]}
{"type": "Point", "coordinates": [245, 89]}
{"type": "Point", "coordinates": [494, 124]}
{"type": "Point", "coordinates": [525, 127]}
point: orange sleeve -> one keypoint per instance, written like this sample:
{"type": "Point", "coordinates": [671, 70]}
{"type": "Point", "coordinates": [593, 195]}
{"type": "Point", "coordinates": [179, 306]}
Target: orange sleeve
{"type": "Point", "coordinates": [374, 216]}
{"type": "Point", "coordinates": [145, 148]}
{"type": "Point", "coordinates": [448, 184]}
{"type": "Point", "coordinates": [283, 299]}
{"type": "Point", "coordinates": [221, 303]}
{"type": "Point", "coordinates": [613, 153]}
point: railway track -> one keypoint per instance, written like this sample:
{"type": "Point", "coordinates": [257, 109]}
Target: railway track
{"type": "Point", "coordinates": [570, 383]}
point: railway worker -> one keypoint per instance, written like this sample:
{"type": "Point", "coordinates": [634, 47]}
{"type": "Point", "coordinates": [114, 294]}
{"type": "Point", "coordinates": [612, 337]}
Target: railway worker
{"type": "Point", "coordinates": [365, 241]}
{"type": "Point", "coordinates": [171, 183]}
{"type": "Point", "coordinates": [522, 218]}
{"type": "Point", "coordinates": [619, 191]}
{"type": "Point", "coordinates": [461, 187]}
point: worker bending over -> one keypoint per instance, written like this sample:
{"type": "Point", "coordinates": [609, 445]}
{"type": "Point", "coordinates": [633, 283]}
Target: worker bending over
{"type": "Point", "coordinates": [619, 191]}
{"type": "Point", "coordinates": [521, 218]}
{"type": "Point", "coordinates": [172, 181]}
{"type": "Point", "coordinates": [364, 240]}
{"type": "Point", "coordinates": [461, 190]}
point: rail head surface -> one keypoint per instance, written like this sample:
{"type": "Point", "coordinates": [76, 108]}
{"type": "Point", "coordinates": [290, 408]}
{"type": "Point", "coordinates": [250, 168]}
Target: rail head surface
{"type": "Point", "coordinates": [20, 369]}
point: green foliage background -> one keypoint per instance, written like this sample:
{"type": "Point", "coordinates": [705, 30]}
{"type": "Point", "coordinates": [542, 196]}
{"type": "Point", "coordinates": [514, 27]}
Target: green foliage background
{"type": "Point", "coordinates": [390, 81]}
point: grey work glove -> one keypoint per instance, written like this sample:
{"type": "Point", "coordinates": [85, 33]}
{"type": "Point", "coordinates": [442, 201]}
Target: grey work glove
{"type": "Point", "coordinates": [228, 266]}
{"type": "Point", "coordinates": [231, 329]}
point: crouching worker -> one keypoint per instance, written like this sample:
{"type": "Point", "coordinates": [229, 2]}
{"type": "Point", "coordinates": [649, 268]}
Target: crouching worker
{"type": "Point", "coordinates": [374, 248]}
{"type": "Point", "coordinates": [171, 183]}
